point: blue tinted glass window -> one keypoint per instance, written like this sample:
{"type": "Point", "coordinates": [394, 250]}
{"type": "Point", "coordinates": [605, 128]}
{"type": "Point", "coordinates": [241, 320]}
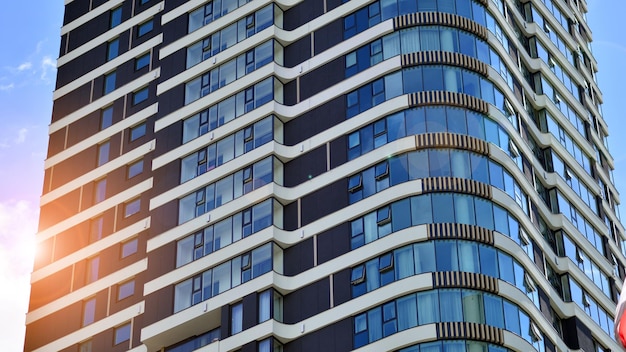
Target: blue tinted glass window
{"type": "Point", "coordinates": [116, 17]}
{"type": "Point", "coordinates": [401, 211]}
{"type": "Point", "coordinates": [424, 257]}
{"type": "Point", "coordinates": [142, 61]}
{"type": "Point", "coordinates": [109, 82]}
{"type": "Point", "coordinates": [113, 49]}
{"type": "Point", "coordinates": [145, 28]}
{"type": "Point", "coordinates": [450, 305]}
{"type": "Point", "coordinates": [447, 256]}
{"type": "Point", "coordinates": [443, 208]}
{"type": "Point", "coordinates": [140, 96]}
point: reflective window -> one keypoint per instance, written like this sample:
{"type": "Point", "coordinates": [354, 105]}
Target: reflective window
{"type": "Point", "coordinates": [226, 149]}
{"type": "Point", "coordinates": [223, 277]}
{"type": "Point", "coordinates": [132, 207]}
{"type": "Point", "coordinates": [145, 28]}
{"type": "Point", "coordinates": [103, 153]}
{"type": "Point", "coordinates": [115, 17]}
{"type": "Point", "coordinates": [225, 232]}
{"type": "Point", "coordinates": [229, 72]}
{"type": "Point", "coordinates": [113, 48]}
{"type": "Point", "coordinates": [383, 10]}
{"type": "Point", "coordinates": [229, 109]}
{"type": "Point", "coordinates": [142, 61]}
{"type": "Point", "coordinates": [126, 289]}
{"type": "Point", "coordinates": [122, 334]}
{"type": "Point", "coordinates": [89, 311]}
{"type": "Point", "coordinates": [440, 255]}
{"type": "Point", "coordinates": [211, 11]}
{"type": "Point", "coordinates": [441, 163]}
{"type": "Point", "coordinates": [429, 208]}
{"type": "Point", "coordinates": [231, 35]}
{"type": "Point", "coordinates": [134, 169]}
{"type": "Point", "coordinates": [445, 305]}
{"type": "Point", "coordinates": [109, 82]}
{"type": "Point", "coordinates": [137, 131]}
{"type": "Point", "coordinates": [423, 78]}
{"type": "Point", "coordinates": [236, 318]}
{"type": "Point", "coordinates": [140, 96]}
{"type": "Point", "coordinates": [223, 191]}
{"type": "Point", "coordinates": [106, 117]}
{"type": "Point", "coordinates": [93, 266]}
{"type": "Point", "coordinates": [129, 248]}
{"type": "Point", "coordinates": [100, 190]}
{"type": "Point", "coordinates": [195, 342]}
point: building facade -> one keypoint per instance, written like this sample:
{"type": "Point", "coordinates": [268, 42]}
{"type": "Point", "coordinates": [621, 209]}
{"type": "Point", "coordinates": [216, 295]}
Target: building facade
{"type": "Point", "coordinates": [326, 175]}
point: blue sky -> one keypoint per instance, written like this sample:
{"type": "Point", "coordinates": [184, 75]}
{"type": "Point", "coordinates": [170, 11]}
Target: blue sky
{"type": "Point", "coordinates": [31, 40]}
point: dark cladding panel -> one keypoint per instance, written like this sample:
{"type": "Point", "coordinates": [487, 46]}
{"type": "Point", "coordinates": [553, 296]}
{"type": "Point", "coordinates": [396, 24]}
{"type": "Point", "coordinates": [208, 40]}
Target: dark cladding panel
{"type": "Point", "coordinates": [175, 29]}
{"type": "Point", "coordinates": [302, 13]}
{"type": "Point", "coordinates": [290, 217]}
{"type": "Point", "coordinates": [305, 167]}
{"type": "Point", "coordinates": [82, 128]}
{"type": "Point", "coordinates": [71, 102]}
{"type": "Point", "coordinates": [74, 10]}
{"type": "Point", "coordinates": [250, 311]}
{"type": "Point", "coordinates": [159, 305]}
{"type": "Point", "coordinates": [307, 301]}
{"type": "Point", "coordinates": [342, 292]}
{"type": "Point", "coordinates": [333, 243]}
{"type": "Point", "coordinates": [298, 52]}
{"type": "Point", "coordinates": [315, 121]}
{"type": "Point", "coordinates": [324, 201]}
{"type": "Point", "coordinates": [171, 100]}
{"type": "Point", "coordinates": [338, 152]}
{"type": "Point", "coordinates": [298, 258]}
{"type": "Point", "coordinates": [328, 36]}
{"type": "Point", "coordinates": [334, 337]}
{"type": "Point", "coordinates": [59, 209]}
{"type": "Point", "coordinates": [322, 78]}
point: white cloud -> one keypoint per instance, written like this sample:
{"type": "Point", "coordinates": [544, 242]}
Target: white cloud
{"type": "Point", "coordinates": [47, 64]}
{"type": "Point", "coordinates": [21, 136]}
{"type": "Point", "coordinates": [6, 87]}
{"type": "Point", "coordinates": [25, 66]}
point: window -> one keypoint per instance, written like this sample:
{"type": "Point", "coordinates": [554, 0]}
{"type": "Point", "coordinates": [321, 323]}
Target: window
{"type": "Point", "coordinates": [132, 207]}
{"type": "Point", "coordinates": [236, 318]}
{"type": "Point", "coordinates": [141, 2]}
{"type": "Point", "coordinates": [129, 248]}
{"type": "Point", "coordinates": [116, 17]}
{"type": "Point", "coordinates": [140, 96]}
{"type": "Point", "coordinates": [103, 153]}
{"type": "Point", "coordinates": [85, 346]}
{"type": "Point", "coordinates": [89, 311]}
{"type": "Point", "coordinates": [106, 117]}
{"type": "Point", "coordinates": [113, 49]}
{"type": "Point", "coordinates": [265, 305]}
{"type": "Point", "coordinates": [100, 190]}
{"type": "Point", "coordinates": [122, 333]}
{"type": "Point", "coordinates": [135, 169]}
{"type": "Point", "coordinates": [137, 131]}
{"type": "Point", "coordinates": [145, 28]}
{"type": "Point", "coordinates": [95, 232]}
{"type": "Point", "coordinates": [109, 82]}
{"type": "Point", "coordinates": [142, 61]}
{"type": "Point", "coordinates": [93, 265]}
{"type": "Point", "coordinates": [126, 289]}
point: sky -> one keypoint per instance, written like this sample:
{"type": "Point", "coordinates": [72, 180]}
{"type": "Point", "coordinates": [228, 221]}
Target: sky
{"type": "Point", "coordinates": [27, 75]}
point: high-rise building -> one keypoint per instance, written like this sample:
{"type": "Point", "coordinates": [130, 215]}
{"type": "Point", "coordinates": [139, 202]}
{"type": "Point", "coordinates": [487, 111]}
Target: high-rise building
{"type": "Point", "coordinates": [326, 175]}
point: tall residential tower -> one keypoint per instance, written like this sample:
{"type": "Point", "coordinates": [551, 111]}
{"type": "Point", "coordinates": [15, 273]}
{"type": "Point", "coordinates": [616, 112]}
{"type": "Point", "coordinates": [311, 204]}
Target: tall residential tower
{"type": "Point", "coordinates": [326, 175]}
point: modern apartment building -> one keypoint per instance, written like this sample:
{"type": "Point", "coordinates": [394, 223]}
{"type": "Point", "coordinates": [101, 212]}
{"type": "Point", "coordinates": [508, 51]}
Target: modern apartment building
{"type": "Point", "coordinates": [326, 175]}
